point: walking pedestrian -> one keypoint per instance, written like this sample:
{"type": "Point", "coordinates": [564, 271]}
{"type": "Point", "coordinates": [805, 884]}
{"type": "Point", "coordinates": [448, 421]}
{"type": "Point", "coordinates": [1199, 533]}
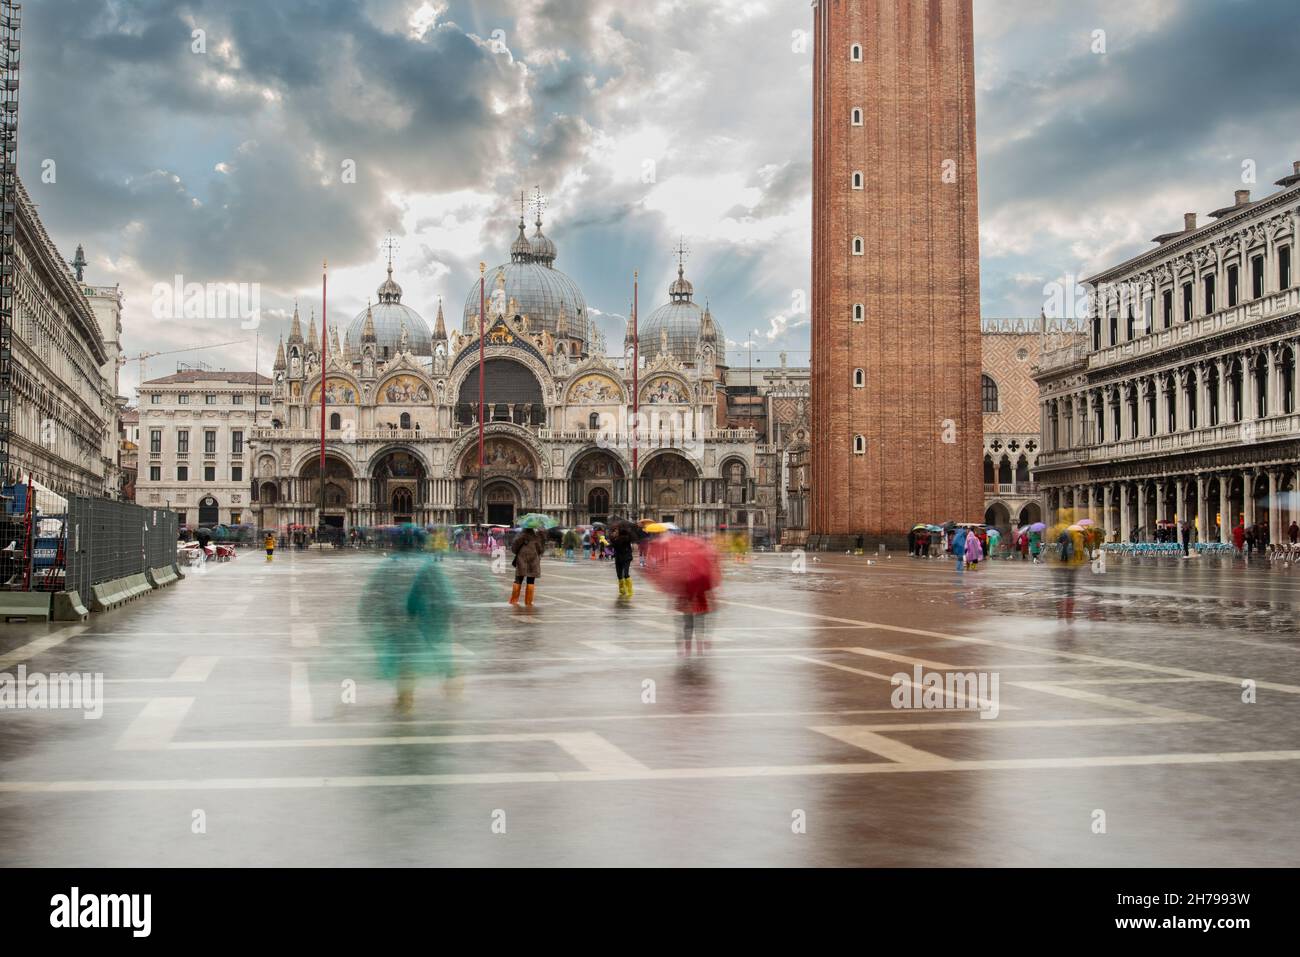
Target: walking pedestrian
{"type": "Point", "coordinates": [528, 547]}
{"type": "Point", "coordinates": [959, 548]}
{"type": "Point", "coordinates": [1293, 532]}
{"type": "Point", "coordinates": [622, 543]}
{"type": "Point", "coordinates": [1250, 541]}
{"type": "Point", "coordinates": [1239, 538]}
{"type": "Point", "coordinates": [1035, 546]}
{"type": "Point", "coordinates": [269, 544]}
{"type": "Point", "coordinates": [911, 543]}
{"type": "Point", "coordinates": [974, 550]}
{"type": "Point", "coordinates": [571, 544]}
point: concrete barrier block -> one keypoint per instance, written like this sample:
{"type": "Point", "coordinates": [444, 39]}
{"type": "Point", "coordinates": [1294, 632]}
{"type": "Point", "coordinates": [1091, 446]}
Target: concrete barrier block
{"type": "Point", "coordinates": [68, 607]}
{"type": "Point", "coordinates": [24, 604]}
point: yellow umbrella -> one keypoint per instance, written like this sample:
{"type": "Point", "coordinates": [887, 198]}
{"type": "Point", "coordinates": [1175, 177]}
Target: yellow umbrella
{"type": "Point", "coordinates": [655, 528]}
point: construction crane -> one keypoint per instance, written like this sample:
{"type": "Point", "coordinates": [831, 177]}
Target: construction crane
{"type": "Point", "coordinates": [149, 355]}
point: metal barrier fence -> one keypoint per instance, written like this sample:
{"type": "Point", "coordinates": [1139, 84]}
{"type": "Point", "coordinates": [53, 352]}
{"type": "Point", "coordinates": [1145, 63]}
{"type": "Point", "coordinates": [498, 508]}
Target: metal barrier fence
{"type": "Point", "coordinates": [108, 540]}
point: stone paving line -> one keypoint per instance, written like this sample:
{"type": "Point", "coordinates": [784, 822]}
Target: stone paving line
{"type": "Point", "coordinates": [157, 724]}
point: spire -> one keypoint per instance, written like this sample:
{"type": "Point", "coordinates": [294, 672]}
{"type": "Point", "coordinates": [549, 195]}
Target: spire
{"type": "Point", "coordinates": [521, 251]}
{"type": "Point", "coordinates": [439, 325]}
{"type": "Point", "coordinates": [368, 330]}
{"type": "Point", "coordinates": [312, 344]}
{"type": "Point", "coordinates": [390, 291]}
{"type": "Point", "coordinates": [295, 328]}
{"type": "Point", "coordinates": [279, 356]}
{"type": "Point", "coordinates": [79, 262]}
{"type": "Point", "coordinates": [681, 290]}
{"type": "Point", "coordinates": [334, 344]}
{"type": "Point", "coordinates": [543, 250]}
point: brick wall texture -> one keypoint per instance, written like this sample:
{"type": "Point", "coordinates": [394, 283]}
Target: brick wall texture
{"type": "Point", "coordinates": [918, 278]}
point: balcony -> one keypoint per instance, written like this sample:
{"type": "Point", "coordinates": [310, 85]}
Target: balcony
{"type": "Point", "coordinates": [1224, 320]}
{"type": "Point", "coordinates": [1227, 434]}
{"type": "Point", "coordinates": [1011, 488]}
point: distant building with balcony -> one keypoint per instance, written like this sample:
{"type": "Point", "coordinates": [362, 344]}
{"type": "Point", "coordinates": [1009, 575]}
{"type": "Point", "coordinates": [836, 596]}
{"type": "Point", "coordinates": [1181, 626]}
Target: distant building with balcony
{"type": "Point", "coordinates": [194, 455]}
{"type": "Point", "coordinates": [1009, 402]}
{"type": "Point", "coordinates": [1180, 405]}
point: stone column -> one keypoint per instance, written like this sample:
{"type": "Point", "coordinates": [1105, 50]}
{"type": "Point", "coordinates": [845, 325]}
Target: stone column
{"type": "Point", "coordinates": [1161, 505]}
{"type": "Point", "coordinates": [1143, 531]}
{"type": "Point", "coordinates": [1162, 412]}
{"type": "Point", "coordinates": [1222, 389]}
{"type": "Point", "coordinates": [1125, 525]}
{"type": "Point", "coordinates": [1202, 510]}
{"type": "Point", "coordinates": [1225, 510]}
{"type": "Point", "coordinates": [1274, 508]}
{"type": "Point", "coordinates": [1248, 496]}
{"type": "Point", "coordinates": [1106, 498]}
{"type": "Point", "coordinates": [1180, 506]}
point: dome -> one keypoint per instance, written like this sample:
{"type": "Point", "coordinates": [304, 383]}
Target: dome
{"type": "Point", "coordinates": [390, 316]}
{"type": "Point", "coordinates": [683, 320]}
{"type": "Point", "coordinates": [539, 290]}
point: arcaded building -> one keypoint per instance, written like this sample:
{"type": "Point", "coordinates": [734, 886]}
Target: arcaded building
{"type": "Point", "coordinates": [1180, 403]}
{"type": "Point", "coordinates": [895, 284]}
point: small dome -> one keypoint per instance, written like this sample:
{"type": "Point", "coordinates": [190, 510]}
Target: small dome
{"type": "Point", "coordinates": [543, 249]}
{"type": "Point", "coordinates": [521, 250]}
{"type": "Point", "coordinates": [681, 290]}
{"type": "Point", "coordinates": [389, 291]}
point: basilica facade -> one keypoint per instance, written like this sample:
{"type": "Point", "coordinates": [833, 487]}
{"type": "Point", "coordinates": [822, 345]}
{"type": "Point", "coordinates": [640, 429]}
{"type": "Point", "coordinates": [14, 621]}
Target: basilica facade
{"type": "Point", "coordinates": [402, 412]}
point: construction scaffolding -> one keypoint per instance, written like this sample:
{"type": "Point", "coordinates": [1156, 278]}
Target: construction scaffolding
{"type": "Point", "coordinates": [10, 21]}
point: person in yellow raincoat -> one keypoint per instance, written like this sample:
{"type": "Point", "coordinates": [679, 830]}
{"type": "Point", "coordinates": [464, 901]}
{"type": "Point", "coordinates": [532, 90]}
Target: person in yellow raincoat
{"type": "Point", "coordinates": [269, 545]}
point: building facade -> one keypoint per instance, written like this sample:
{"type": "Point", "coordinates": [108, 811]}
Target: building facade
{"type": "Point", "coordinates": [895, 283]}
{"type": "Point", "coordinates": [1180, 405]}
{"type": "Point", "coordinates": [1009, 402]}
{"type": "Point", "coordinates": [402, 411]}
{"type": "Point", "coordinates": [128, 451]}
{"type": "Point", "coordinates": [775, 404]}
{"type": "Point", "coordinates": [63, 421]}
{"type": "Point", "coordinates": [195, 454]}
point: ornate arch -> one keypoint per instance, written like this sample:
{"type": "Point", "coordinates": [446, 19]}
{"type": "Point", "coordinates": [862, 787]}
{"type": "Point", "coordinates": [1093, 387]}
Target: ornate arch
{"type": "Point", "coordinates": [313, 455]}
{"type": "Point", "coordinates": [657, 375]}
{"type": "Point", "coordinates": [576, 460]}
{"type": "Point", "coordinates": [395, 378]}
{"type": "Point", "coordinates": [373, 460]}
{"type": "Point", "coordinates": [312, 389]}
{"type": "Point", "coordinates": [500, 429]}
{"type": "Point", "coordinates": [574, 382]}
{"type": "Point", "coordinates": [661, 452]}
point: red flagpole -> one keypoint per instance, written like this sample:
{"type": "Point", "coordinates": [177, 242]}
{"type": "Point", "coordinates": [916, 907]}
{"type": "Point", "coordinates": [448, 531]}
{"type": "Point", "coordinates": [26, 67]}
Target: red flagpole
{"type": "Point", "coordinates": [636, 403]}
{"type": "Point", "coordinates": [324, 276]}
{"type": "Point", "coordinates": [482, 352]}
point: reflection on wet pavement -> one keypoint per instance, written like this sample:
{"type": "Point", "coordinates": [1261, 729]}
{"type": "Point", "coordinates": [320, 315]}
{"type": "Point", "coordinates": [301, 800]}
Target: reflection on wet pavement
{"type": "Point", "coordinates": [251, 718]}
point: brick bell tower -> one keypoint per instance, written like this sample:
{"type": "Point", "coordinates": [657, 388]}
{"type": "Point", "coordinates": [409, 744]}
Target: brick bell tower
{"type": "Point", "coordinates": [897, 433]}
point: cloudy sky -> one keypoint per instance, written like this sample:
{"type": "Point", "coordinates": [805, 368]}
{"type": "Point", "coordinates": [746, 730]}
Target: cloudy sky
{"type": "Point", "coordinates": [641, 122]}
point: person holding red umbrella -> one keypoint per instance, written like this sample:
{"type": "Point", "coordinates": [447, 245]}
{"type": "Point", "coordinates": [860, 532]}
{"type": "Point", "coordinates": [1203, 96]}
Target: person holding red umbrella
{"type": "Point", "coordinates": [689, 570]}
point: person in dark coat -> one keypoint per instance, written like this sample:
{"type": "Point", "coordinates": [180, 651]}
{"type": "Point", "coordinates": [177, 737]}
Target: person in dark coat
{"type": "Point", "coordinates": [622, 542]}
{"type": "Point", "coordinates": [1293, 532]}
{"type": "Point", "coordinates": [528, 547]}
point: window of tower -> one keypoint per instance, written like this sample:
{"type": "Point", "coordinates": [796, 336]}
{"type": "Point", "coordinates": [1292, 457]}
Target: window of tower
{"type": "Point", "coordinates": [859, 312]}
{"type": "Point", "coordinates": [855, 53]}
{"type": "Point", "coordinates": [857, 245]}
{"type": "Point", "coordinates": [859, 445]}
{"type": "Point", "coordinates": [857, 179]}
{"type": "Point", "coordinates": [859, 378]}
{"type": "Point", "coordinates": [857, 116]}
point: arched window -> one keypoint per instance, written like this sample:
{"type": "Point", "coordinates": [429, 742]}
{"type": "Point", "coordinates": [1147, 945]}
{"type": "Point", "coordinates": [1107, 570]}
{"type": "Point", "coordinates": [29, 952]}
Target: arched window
{"type": "Point", "coordinates": [855, 53]}
{"type": "Point", "coordinates": [859, 445]}
{"type": "Point", "coordinates": [859, 312]}
{"type": "Point", "coordinates": [405, 421]}
{"type": "Point", "coordinates": [988, 394]}
{"type": "Point", "coordinates": [598, 503]}
{"type": "Point", "coordinates": [593, 421]}
{"type": "Point", "coordinates": [857, 116]}
{"type": "Point", "coordinates": [857, 179]}
{"type": "Point", "coordinates": [336, 421]}
{"type": "Point", "coordinates": [857, 245]}
{"type": "Point", "coordinates": [859, 378]}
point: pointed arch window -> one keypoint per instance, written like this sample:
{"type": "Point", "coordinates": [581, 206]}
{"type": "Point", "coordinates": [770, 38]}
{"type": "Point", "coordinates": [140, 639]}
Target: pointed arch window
{"type": "Point", "coordinates": [859, 378]}
{"type": "Point", "coordinates": [857, 116]}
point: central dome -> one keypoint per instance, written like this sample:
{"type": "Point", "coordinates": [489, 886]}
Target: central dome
{"type": "Point", "coordinates": [390, 317]}
{"type": "Point", "coordinates": [541, 292]}
{"type": "Point", "coordinates": [683, 321]}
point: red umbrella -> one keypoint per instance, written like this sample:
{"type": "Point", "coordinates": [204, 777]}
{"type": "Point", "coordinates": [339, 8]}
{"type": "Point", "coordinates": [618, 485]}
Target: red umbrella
{"type": "Point", "coordinates": [686, 568]}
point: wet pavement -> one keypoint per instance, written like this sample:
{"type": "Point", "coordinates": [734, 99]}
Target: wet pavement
{"type": "Point", "coordinates": [245, 722]}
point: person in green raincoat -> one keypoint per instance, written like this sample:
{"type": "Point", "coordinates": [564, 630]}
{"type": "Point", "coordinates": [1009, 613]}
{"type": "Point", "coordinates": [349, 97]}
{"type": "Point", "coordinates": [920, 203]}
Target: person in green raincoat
{"type": "Point", "coordinates": [410, 602]}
